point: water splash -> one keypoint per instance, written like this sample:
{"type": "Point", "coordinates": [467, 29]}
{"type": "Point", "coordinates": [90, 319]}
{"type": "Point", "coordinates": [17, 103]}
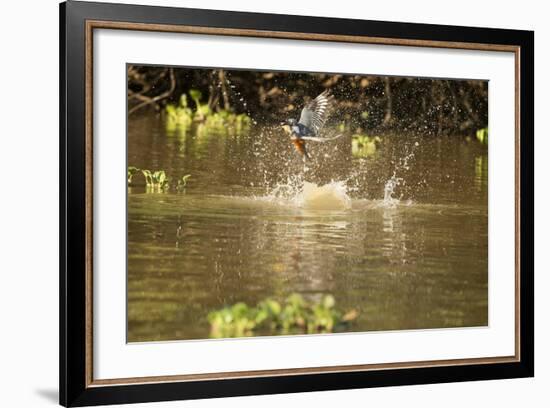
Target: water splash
{"type": "Point", "coordinates": [301, 186]}
{"type": "Point", "coordinates": [232, 93]}
{"type": "Point", "coordinates": [390, 200]}
{"type": "Point", "coordinates": [331, 196]}
{"type": "Point", "coordinates": [389, 191]}
{"type": "Point", "coordinates": [297, 192]}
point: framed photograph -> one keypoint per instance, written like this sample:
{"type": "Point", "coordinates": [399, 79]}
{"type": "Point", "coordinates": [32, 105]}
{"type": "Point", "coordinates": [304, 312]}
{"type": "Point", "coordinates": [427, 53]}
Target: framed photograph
{"type": "Point", "coordinates": [256, 203]}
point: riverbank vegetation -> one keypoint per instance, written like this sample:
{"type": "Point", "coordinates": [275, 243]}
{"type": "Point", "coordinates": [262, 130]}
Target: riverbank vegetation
{"type": "Point", "coordinates": [232, 99]}
{"type": "Point", "coordinates": [182, 116]}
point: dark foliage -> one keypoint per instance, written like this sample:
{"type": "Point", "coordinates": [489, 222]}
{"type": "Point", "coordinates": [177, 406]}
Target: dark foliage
{"type": "Point", "coordinates": [364, 102]}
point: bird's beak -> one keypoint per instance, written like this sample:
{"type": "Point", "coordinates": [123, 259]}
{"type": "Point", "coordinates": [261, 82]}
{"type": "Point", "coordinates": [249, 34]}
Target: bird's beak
{"type": "Point", "coordinates": [283, 123]}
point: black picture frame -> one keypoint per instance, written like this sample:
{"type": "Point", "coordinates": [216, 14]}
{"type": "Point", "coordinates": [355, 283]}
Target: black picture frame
{"type": "Point", "coordinates": [75, 389]}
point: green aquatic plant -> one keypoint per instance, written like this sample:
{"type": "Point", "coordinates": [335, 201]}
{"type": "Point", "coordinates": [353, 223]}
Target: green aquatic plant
{"type": "Point", "coordinates": [202, 111]}
{"type": "Point", "coordinates": [182, 182]}
{"type": "Point", "coordinates": [294, 315]}
{"type": "Point", "coordinates": [131, 172]}
{"type": "Point", "coordinates": [343, 127]}
{"type": "Point", "coordinates": [239, 122]}
{"type": "Point", "coordinates": [482, 135]}
{"type": "Point", "coordinates": [155, 180]}
{"type": "Point", "coordinates": [181, 117]}
{"type": "Point", "coordinates": [363, 145]}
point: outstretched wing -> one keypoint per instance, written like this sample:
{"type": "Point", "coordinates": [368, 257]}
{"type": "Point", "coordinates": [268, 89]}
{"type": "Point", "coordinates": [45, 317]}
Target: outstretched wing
{"type": "Point", "coordinates": [315, 113]}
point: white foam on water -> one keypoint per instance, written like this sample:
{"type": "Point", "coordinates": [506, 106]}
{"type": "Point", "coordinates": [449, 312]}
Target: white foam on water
{"type": "Point", "coordinates": [331, 196]}
{"type": "Point", "coordinates": [298, 193]}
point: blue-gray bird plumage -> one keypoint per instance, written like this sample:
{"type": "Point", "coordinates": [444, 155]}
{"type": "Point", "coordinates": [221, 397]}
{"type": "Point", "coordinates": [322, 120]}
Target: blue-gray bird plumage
{"type": "Point", "coordinates": [312, 119]}
{"type": "Point", "coordinates": [315, 113]}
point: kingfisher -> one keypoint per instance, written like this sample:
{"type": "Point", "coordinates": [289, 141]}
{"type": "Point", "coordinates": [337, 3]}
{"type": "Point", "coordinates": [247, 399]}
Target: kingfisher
{"type": "Point", "coordinates": [308, 127]}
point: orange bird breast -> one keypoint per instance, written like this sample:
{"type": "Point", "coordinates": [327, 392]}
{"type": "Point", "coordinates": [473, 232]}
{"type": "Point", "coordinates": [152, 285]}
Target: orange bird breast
{"type": "Point", "coordinates": [300, 146]}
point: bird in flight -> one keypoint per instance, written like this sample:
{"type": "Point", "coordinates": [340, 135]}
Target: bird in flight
{"type": "Point", "coordinates": [308, 127]}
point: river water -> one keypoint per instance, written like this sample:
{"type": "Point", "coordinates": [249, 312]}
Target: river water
{"type": "Point", "coordinates": [399, 235]}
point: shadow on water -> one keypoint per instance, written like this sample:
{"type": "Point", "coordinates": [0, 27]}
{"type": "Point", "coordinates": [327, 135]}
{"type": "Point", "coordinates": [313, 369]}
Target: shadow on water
{"type": "Point", "coordinates": [399, 235]}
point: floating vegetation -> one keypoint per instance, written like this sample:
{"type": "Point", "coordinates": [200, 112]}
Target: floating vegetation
{"type": "Point", "coordinates": [131, 172]}
{"type": "Point", "coordinates": [182, 182]}
{"type": "Point", "coordinates": [155, 181]}
{"type": "Point", "coordinates": [344, 127]}
{"type": "Point", "coordinates": [482, 135]}
{"type": "Point", "coordinates": [294, 316]}
{"type": "Point", "coordinates": [223, 120]}
{"type": "Point", "coordinates": [181, 117]}
{"type": "Point", "coordinates": [363, 145]}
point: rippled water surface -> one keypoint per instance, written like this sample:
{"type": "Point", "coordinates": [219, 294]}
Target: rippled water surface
{"type": "Point", "coordinates": [399, 235]}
